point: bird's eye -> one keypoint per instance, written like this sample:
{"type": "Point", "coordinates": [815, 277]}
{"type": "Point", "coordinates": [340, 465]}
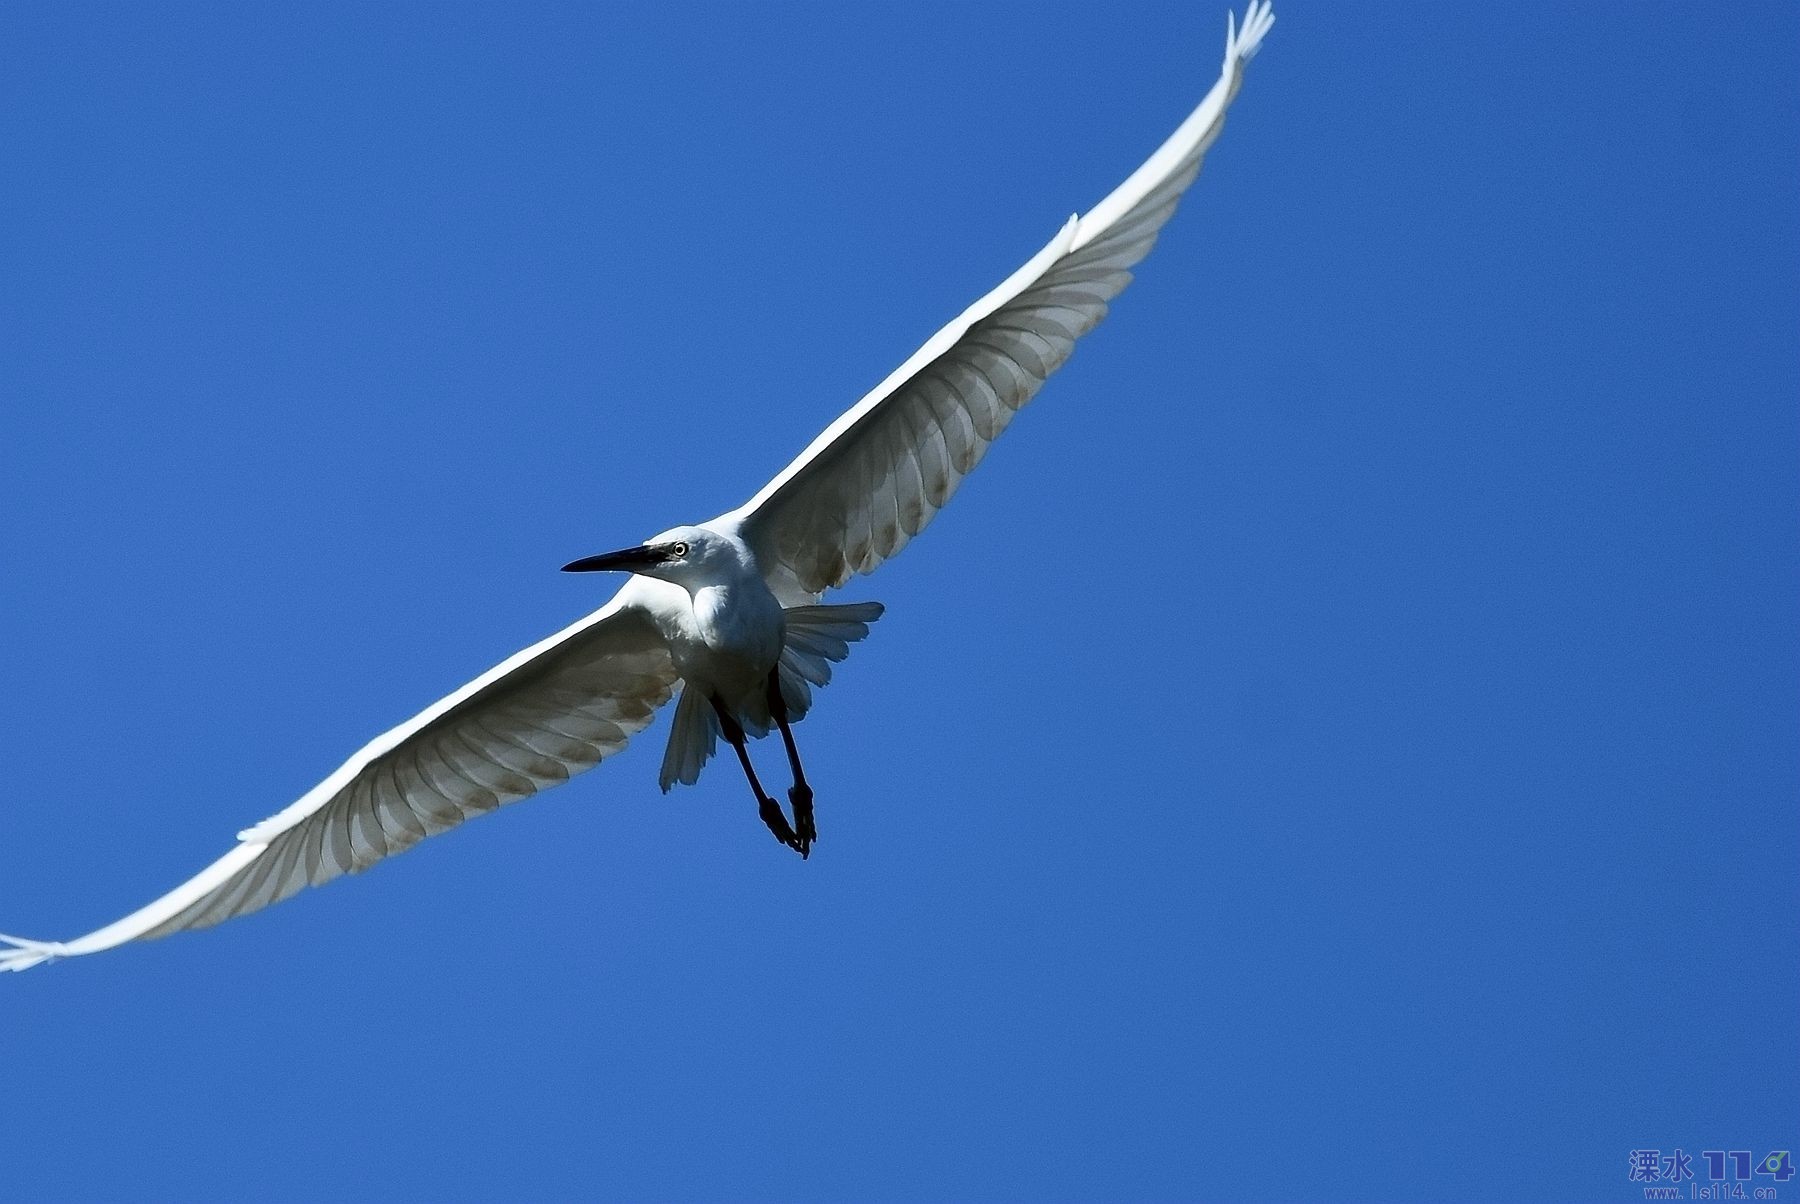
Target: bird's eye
{"type": "Point", "coordinates": [680, 549]}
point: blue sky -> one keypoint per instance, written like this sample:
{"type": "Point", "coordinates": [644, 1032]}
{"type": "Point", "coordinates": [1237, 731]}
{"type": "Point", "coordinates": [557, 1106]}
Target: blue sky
{"type": "Point", "coordinates": [1342, 744]}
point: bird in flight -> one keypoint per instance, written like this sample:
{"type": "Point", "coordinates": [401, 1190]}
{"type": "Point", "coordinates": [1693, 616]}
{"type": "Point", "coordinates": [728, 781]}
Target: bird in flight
{"type": "Point", "coordinates": [724, 616]}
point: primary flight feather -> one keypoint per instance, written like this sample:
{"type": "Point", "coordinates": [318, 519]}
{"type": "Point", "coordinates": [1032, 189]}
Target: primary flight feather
{"type": "Point", "coordinates": [725, 615]}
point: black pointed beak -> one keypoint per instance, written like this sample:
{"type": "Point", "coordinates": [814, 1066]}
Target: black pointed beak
{"type": "Point", "coordinates": [628, 560]}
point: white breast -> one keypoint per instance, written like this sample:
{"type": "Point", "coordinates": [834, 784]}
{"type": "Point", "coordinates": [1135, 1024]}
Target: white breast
{"type": "Point", "coordinates": [724, 640]}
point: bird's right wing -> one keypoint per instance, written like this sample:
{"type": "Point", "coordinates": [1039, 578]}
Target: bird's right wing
{"type": "Point", "coordinates": [538, 718]}
{"type": "Point", "coordinates": [878, 474]}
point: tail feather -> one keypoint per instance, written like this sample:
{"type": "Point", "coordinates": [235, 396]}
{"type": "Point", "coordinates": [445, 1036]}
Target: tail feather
{"type": "Point", "coordinates": [692, 737]}
{"type": "Point", "coordinates": [817, 636]}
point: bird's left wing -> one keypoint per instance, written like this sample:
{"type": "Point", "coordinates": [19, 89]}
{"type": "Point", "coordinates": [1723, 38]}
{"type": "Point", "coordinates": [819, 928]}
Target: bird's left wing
{"type": "Point", "coordinates": [878, 474]}
{"type": "Point", "coordinates": [541, 716]}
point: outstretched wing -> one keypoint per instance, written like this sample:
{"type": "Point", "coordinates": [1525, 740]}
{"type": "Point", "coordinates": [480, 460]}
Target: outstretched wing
{"type": "Point", "coordinates": [537, 719]}
{"type": "Point", "coordinates": [878, 474]}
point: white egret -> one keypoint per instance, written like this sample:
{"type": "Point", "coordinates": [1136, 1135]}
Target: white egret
{"type": "Point", "coordinates": [724, 614]}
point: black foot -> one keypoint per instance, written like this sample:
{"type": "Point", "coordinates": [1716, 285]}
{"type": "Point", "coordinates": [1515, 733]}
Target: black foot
{"type": "Point", "coordinates": [802, 798]}
{"type": "Point", "coordinates": [778, 824]}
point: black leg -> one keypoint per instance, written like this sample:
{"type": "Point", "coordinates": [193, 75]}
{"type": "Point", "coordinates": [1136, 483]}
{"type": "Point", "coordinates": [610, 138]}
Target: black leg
{"type": "Point", "coordinates": [766, 806]}
{"type": "Point", "coordinates": [801, 796]}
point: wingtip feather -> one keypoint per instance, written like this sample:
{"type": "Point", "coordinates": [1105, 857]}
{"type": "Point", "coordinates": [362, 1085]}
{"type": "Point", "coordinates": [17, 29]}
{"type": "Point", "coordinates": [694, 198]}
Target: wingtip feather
{"type": "Point", "coordinates": [1243, 41]}
{"type": "Point", "coordinates": [24, 954]}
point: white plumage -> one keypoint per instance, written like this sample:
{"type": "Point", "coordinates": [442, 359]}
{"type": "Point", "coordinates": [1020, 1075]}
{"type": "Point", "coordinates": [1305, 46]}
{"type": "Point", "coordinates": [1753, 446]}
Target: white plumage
{"type": "Point", "coordinates": [737, 607]}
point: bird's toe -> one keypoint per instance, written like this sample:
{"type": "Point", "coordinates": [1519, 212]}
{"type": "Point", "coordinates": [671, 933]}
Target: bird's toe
{"type": "Point", "coordinates": [777, 823]}
{"type": "Point", "coordinates": [801, 796]}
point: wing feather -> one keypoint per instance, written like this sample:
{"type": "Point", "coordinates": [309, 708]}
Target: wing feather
{"type": "Point", "coordinates": [539, 718]}
{"type": "Point", "coordinates": [877, 475]}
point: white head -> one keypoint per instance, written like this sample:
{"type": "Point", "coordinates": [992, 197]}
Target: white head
{"type": "Point", "coordinates": [688, 556]}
